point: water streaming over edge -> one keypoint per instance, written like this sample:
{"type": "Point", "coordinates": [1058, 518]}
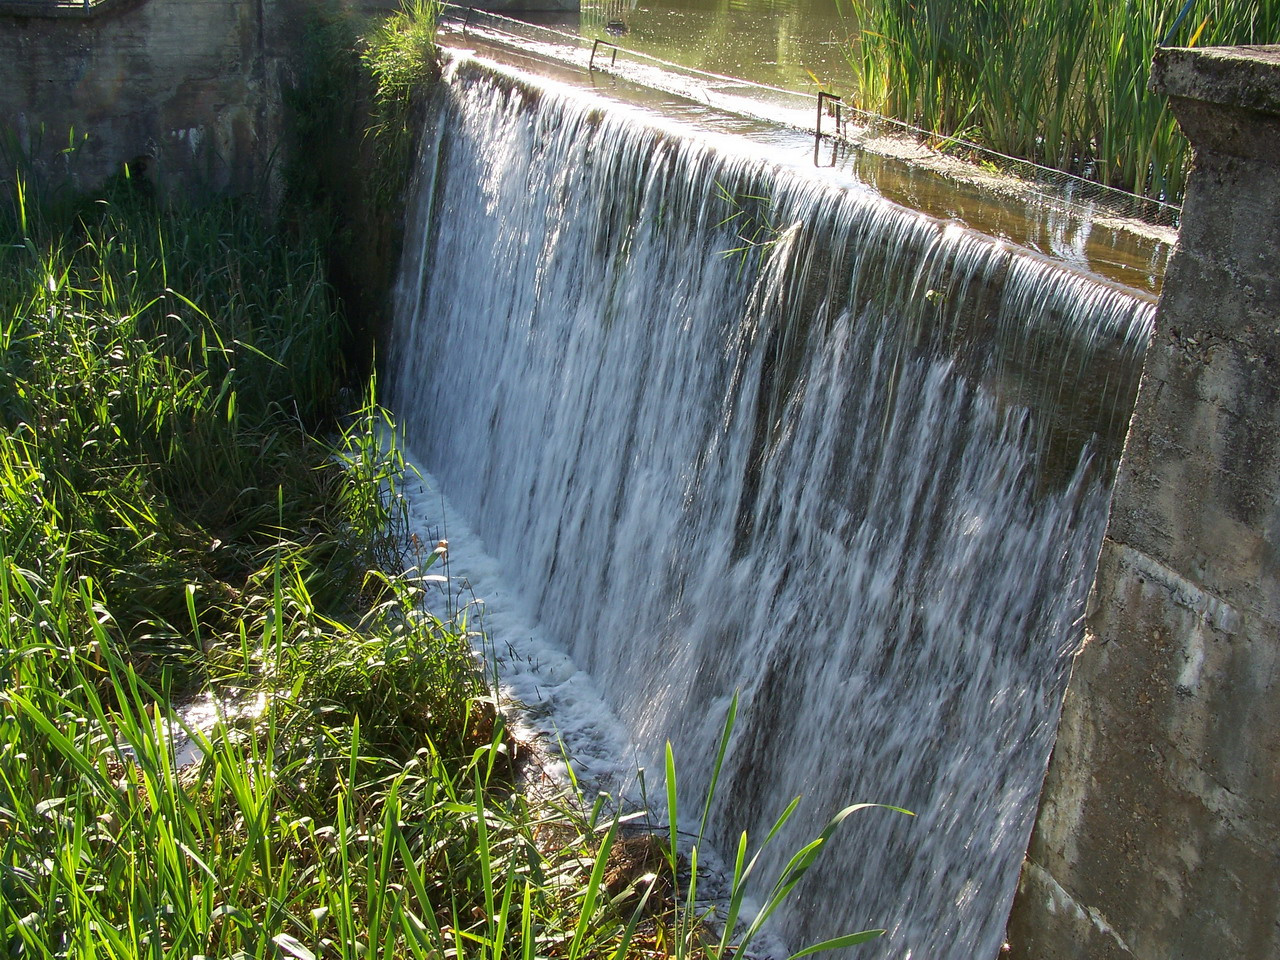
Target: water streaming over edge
{"type": "Point", "coordinates": [857, 471]}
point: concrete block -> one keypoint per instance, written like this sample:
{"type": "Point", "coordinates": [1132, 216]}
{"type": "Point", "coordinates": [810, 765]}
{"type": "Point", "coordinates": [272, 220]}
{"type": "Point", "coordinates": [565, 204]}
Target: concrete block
{"type": "Point", "coordinates": [1159, 825]}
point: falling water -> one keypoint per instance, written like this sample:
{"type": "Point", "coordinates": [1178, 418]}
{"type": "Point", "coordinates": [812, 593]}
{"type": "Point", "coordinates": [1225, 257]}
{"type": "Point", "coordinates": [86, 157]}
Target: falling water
{"type": "Point", "coordinates": [735, 428]}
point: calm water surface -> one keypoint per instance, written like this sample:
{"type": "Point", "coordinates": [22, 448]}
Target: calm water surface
{"type": "Point", "coordinates": [792, 44]}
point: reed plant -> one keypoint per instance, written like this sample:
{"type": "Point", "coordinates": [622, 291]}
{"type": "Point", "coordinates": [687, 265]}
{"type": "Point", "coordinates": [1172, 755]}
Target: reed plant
{"type": "Point", "coordinates": [1058, 82]}
{"type": "Point", "coordinates": [162, 375]}
{"type": "Point", "coordinates": [186, 509]}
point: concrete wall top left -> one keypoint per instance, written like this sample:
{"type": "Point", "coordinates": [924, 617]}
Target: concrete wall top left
{"type": "Point", "coordinates": [191, 85]}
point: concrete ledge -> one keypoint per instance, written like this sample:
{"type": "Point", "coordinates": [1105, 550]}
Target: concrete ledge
{"type": "Point", "coordinates": [1244, 77]}
{"type": "Point", "coordinates": [1226, 99]}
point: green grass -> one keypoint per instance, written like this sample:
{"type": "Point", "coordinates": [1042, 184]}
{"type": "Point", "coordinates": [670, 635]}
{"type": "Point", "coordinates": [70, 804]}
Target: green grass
{"type": "Point", "coordinates": [195, 506]}
{"type": "Point", "coordinates": [187, 507]}
{"type": "Point", "coordinates": [161, 373]}
{"type": "Point", "coordinates": [1059, 82]}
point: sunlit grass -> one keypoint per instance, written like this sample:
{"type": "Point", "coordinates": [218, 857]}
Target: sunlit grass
{"type": "Point", "coordinates": [1059, 82]}
{"type": "Point", "coordinates": [184, 512]}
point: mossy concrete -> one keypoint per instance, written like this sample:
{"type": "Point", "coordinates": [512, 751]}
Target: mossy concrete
{"type": "Point", "coordinates": [189, 89]}
{"type": "Point", "coordinates": [1159, 828]}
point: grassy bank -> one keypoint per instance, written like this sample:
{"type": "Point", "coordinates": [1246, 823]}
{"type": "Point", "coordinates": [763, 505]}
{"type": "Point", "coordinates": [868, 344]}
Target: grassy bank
{"type": "Point", "coordinates": [172, 525]}
{"type": "Point", "coordinates": [1060, 82]}
{"type": "Point", "coordinates": [194, 510]}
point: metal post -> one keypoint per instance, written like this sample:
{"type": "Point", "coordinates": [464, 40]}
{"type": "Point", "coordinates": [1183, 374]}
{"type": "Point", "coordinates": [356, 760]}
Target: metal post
{"type": "Point", "coordinates": [825, 103]}
{"type": "Point", "coordinates": [613, 61]}
{"type": "Point", "coordinates": [823, 99]}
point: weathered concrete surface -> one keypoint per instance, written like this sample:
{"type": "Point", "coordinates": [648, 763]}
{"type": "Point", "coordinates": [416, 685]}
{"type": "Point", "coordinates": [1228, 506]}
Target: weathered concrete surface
{"type": "Point", "coordinates": [56, 8]}
{"type": "Point", "coordinates": [1159, 829]}
{"type": "Point", "coordinates": [194, 85]}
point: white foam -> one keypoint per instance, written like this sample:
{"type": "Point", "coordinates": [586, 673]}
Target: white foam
{"type": "Point", "coordinates": [552, 705]}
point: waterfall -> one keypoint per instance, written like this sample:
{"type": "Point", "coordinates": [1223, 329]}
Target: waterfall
{"type": "Point", "coordinates": [735, 427]}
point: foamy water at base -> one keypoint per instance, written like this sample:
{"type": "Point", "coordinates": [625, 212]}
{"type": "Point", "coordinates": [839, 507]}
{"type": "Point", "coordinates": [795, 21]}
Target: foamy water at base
{"type": "Point", "coordinates": [547, 698]}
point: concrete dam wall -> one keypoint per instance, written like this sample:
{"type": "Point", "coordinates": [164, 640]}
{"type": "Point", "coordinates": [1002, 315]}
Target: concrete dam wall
{"type": "Point", "coordinates": [1160, 817]}
{"type": "Point", "coordinates": [187, 91]}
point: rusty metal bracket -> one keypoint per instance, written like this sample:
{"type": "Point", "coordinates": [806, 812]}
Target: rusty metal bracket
{"type": "Point", "coordinates": [591, 64]}
{"type": "Point", "coordinates": [829, 104]}
{"type": "Point", "coordinates": [828, 101]}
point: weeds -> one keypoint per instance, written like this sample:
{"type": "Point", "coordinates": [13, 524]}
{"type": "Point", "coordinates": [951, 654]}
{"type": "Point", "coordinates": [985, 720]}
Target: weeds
{"type": "Point", "coordinates": [147, 430]}
{"type": "Point", "coordinates": [282, 837]}
{"type": "Point", "coordinates": [749, 216]}
{"type": "Point", "coordinates": [172, 519]}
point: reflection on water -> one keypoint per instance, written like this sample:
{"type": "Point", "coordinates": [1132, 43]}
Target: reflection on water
{"type": "Point", "coordinates": [792, 44]}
